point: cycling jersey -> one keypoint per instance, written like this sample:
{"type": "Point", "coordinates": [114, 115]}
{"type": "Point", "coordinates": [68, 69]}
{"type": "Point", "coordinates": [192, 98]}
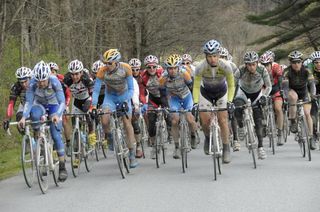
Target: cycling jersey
{"type": "Point", "coordinates": [253, 82]}
{"type": "Point", "coordinates": [177, 85]}
{"type": "Point", "coordinates": [65, 88]}
{"type": "Point", "coordinates": [52, 95]}
{"type": "Point", "coordinates": [316, 75]}
{"type": "Point", "coordinates": [119, 86]}
{"type": "Point", "coordinates": [218, 79]}
{"type": "Point", "coordinates": [299, 80]}
{"type": "Point", "coordinates": [15, 92]}
{"type": "Point", "coordinates": [82, 89]}
{"type": "Point", "coordinates": [275, 77]}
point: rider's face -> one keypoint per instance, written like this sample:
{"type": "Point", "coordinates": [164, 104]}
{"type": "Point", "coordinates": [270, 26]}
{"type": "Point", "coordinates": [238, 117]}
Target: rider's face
{"type": "Point", "coordinates": [268, 66]}
{"type": "Point", "coordinates": [212, 59]}
{"type": "Point", "coordinates": [76, 77]}
{"type": "Point", "coordinates": [173, 71]}
{"type": "Point", "coordinates": [317, 64]}
{"type": "Point", "coordinates": [296, 65]}
{"type": "Point", "coordinates": [43, 84]}
{"type": "Point", "coordinates": [24, 83]}
{"type": "Point", "coordinates": [252, 67]}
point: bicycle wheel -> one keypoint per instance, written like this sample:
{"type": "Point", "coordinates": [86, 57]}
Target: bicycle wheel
{"type": "Point", "coordinates": [285, 130]}
{"type": "Point", "coordinates": [251, 140]}
{"type": "Point", "coordinates": [55, 167]}
{"type": "Point", "coordinates": [158, 142]}
{"type": "Point", "coordinates": [76, 157]}
{"type": "Point", "coordinates": [42, 165]}
{"type": "Point", "coordinates": [305, 134]}
{"type": "Point", "coordinates": [183, 147]}
{"type": "Point", "coordinates": [89, 156]}
{"type": "Point", "coordinates": [144, 136]}
{"type": "Point", "coordinates": [27, 160]}
{"type": "Point", "coordinates": [118, 152]}
{"type": "Point", "coordinates": [272, 131]}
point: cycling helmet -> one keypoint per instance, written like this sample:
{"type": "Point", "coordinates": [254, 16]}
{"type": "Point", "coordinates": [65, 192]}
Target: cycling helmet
{"type": "Point", "coordinates": [111, 55]}
{"type": "Point", "coordinates": [295, 56]}
{"type": "Point", "coordinates": [85, 70]}
{"type": "Point", "coordinates": [315, 55]}
{"type": "Point", "coordinates": [41, 71]}
{"type": "Point", "coordinates": [211, 47]}
{"type": "Point", "coordinates": [229, 57]}
{"type": "Point", "coordinates": [223, 52]}
{"type": "Point", "coordinates": [266, 58]}
{"type": "Point", "coordinates": [75, 66]}
{"type": "Point", "coordinates": [150, 59]}
{"type": "Point", "coordinates": [271, 54]}
{"type": "Point", "coordinates": [306, 62]}
{"type": "Point", "coordinates": [96, 66]}
{"type": "Point", "coordinates": [135, 63]}
{"type": "Point", "coordinates": [23, 72]}
{"type": "Point", "coordinates": [173, 60]}
{"type": "Point", "coordinates": [251, 57]}
{"type": "Point", "coordinates": [187, 57]}
{"type": "Point", "coordinates": [53, 66]}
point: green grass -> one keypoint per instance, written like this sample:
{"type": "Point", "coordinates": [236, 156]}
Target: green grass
{"type": "Point", "coordinates": [9, 163]}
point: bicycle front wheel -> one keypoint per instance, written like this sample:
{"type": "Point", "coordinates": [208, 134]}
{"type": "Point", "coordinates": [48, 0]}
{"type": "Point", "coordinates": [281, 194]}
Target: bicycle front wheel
{"type": "Point", "coordinates": [251, 140]}
{"type": "Point", "coordinates": [27, 160]}
{"type": "Point", "coordinates": [305, 133]}
{"type": "Point", "coordinates": [42, 165]}
{"type": "Point", "coordinates": [75, 153]}
{"type": "Point", "coordinates": [118, 152]}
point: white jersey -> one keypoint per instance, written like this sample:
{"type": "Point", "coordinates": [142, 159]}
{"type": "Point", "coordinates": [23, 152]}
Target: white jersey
{"type": "Point", "coordinates": [136, 93]}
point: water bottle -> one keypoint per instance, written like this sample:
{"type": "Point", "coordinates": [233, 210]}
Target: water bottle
{"type": "Point", "coordinates": [34, 144]}
{"type": "Point", "coordinates": [83, 138]}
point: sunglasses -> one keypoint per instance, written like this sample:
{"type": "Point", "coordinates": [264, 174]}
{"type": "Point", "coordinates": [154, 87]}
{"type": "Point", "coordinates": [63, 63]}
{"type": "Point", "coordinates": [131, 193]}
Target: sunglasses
{"type": "Point", "coordinates": [265, 64]}
{"type": "Point", "coordinates": [295, 62]}
{"type": "Point", "coordinates": [185, 63]}
{"type": "Point", "coordinates": [151, 67]}
{"type": "Point", "coordinates": [75, 74]}
{"type": "Point", "coordinates": [23, 81]}
{"type": "Point", "coordinates": [135, 69]}
{"type": "Point", "coordinates": [109, 63]}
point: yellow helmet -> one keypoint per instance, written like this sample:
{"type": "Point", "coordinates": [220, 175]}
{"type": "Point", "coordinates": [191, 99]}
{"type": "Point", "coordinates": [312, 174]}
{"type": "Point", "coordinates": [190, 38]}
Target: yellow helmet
{"type": "Point", "coordinates": [173, 60]}
{"type": "Point", "coordinates": [111, 55]}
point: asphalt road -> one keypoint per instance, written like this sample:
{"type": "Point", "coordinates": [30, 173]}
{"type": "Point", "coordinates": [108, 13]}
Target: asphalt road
{"type": "Point", "coordinates": [282, 182]}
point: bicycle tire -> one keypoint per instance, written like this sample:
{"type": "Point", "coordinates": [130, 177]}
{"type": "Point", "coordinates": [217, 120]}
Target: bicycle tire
{"type": "Point", "coordinates": [27, 160]}
{"type": "Point", "coordinates": [271, 133]}
{"type": "Point", "coordinates": [213, 149]}
{"type": "Point", "coordinates": [285, 128]}
{"type": "Point", "coordinates": [307, 140]}
{"type": "Point", "coordinates": [55, 170]}
{"type": "Point", "coordinates": [42, 166]}
{"type": "Point", "coordinates": [157, 142]}
{"type": "Point", "coordinates": [183, 145]}
{"type": "Point", "coordinates": [144, 135]}
{"type": "Point", "coordinates": [76, 153]}
{"type": "Point", "coordinates": [118, 153]}
{"type": "Point", "coordinates": [89, 156]}
{"type": "Point", "coordinates": [251, 138]}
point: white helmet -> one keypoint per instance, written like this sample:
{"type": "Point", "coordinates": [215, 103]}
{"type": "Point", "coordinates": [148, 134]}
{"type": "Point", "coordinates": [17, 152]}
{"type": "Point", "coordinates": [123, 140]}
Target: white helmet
{"type": "Point", "coordinates": [96, 66]}
{"type": "Point", "coordinates": [23, 72]}
{"type": "Point", "coordinates": [75, 66]}
{"type": "Point", "coordinates": [85, 70]}
{"type": "Point", "coordinates": [54, 66]}
{"type": "Point", "coordinates": [295, 56]}
{"type": "Point", "coordinates": [211, 47]}
{"type": "Point", "coordinates": [306, 62]}
{"type": "Point", "coordinates": [250, 57]}
{"type": "Point", "coordinates": [41, 71]}
{"type": "Point", "coordinates": [315, 55]}
{"type": "Point", "coordinates": [187, 57]}
{"type": "Point", "coordinates": [135, 63]}
{"type": "Point", "coordinates": [151, 59]}
{"type": "Point", "coordinates": [223, 52]}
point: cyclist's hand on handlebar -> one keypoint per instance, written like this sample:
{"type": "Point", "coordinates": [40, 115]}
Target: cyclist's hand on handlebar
{"type": "Point", "coordinates": [230, 107]}
{"type": "Point", "coordinates": [22, 123]}
{"type": "Point", "coordinates": [144, 108]}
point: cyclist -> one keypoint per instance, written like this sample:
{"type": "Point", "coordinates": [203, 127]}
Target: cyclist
{"type": "Point", "coordinates": [119, 90]}
{"type": "Point", "coordinates": [217, 85]}
{"type": "Point", "coordinates": [224, 54]}
{"type": "Point", "coordinates": [80, 85]}
{"type": "Point", "coordinates": [253, 82]}
{"type": "Point", "coordinates": [176, 82]}
{"type": "Point", "coordinates": [66, 126]}
{"type": "Point", "coordinates": [136, 66]}
{"type": "Point", "coordinates": [18, 89]}
{"type": "Point", "coordinates": [314, 66]}
{"type": "Point", "coordinates": [298, 84]}
{"type": "Point", "coordinates": [275, 72]}
{"type": "Point", "coordinates": [45, 95]}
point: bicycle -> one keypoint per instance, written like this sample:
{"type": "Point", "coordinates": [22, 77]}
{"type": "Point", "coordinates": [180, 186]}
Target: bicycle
{"type": "Point", "coordinates": [302, 135]}
{"type": "Point", "coordinates": [250, 135]}
{"type": "Point", "coordinates": [268, 116]}
{"type": "Point", "coordinates": [215, 140]}
{"type": "Point", "coordinates": [119, 142]}
{"type": "Point", "coordinates": [80, 149]}
{"type": "Point", "coordinates": [143, 132]}
{"type": "Point", "coordinates": [161, 134]}
{"type": "Point", "coordinates": [317, 118]}
{"type": "Point", "coordinates": [286, 127]}
{"type": "Point", "coordinates": [184, 137]}
{"type": "Point", "coordinates": [100, 135]}
{"type": "Point", "coordinates": [27, 155]}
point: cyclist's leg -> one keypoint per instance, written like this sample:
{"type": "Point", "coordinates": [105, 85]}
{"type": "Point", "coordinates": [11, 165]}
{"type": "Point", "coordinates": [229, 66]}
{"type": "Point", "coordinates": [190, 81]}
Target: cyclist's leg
{"type": "Point", "coordinates": [19, 115]}
{"type": "Point", "coordinates": [136, 130]}
{"type": "Point", "coordinates": [278, 110]}
{"type": "Point", "coordinates": [107, 106]}
{"type": "Point", "coordinates": [55, 131]}
{"type": "Point", "coordinates": [92, 135]}
{"type": "Point", "coordinates": [152, 118]}
{"type": "Point", "coordinates": [292, 99]}
{"type": "Point", "coordinates": [205, 119]}
{"type": "Point", "coordinates": [239, 100]}
{"type": "Point", "coordinates": [37, 111]}
{"type": "Point", "coordinates": [307, 108]}
{"type": "Point", "coordinates": [174, 104]}
{"type": "Point", "coordinates": [187, 105]}
{"type": "Point", "coordinates": [314, 113]}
